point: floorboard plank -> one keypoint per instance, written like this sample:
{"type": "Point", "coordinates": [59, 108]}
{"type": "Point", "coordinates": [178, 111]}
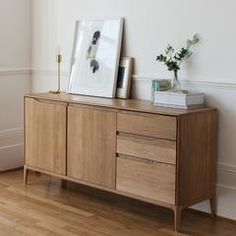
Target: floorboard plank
{"type": "Point", "coordinates": [45, 208]}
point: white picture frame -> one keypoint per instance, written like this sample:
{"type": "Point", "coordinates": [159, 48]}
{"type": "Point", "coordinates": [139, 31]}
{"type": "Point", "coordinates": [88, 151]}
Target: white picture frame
{"type": "Point", "coordinates": [124, 77]}
{"type": "Point", "coordinates": [95, 57]}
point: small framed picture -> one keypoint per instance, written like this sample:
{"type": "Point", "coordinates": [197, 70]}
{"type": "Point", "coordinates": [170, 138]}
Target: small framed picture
{"type": "Point", "coordinates": [124, 77]}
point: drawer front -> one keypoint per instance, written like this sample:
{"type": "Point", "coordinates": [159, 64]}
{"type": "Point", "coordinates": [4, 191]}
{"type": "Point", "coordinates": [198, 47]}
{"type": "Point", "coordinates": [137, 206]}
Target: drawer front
{"type": "Point", "coordinates": [149, 125]}
{"type": "Point", "coordinates": [147, 148]}
{"type": "Point", "coordinates": [155, 181]}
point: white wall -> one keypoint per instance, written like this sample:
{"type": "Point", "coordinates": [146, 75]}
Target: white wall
{"type": "Point", "coordinates": [15, 79]}
{"type": "Point", "coordinates": [149, 26]}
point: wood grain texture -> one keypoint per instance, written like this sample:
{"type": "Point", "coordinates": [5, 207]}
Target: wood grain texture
{"type": "Point", "coordinates": [121, 104]}
{"type": "Point", "coordinates": [177, 217]}
{"type": "Point", "coordinates": [147, 179]}
{"type": "Point", "coordinates": [44, 208]}
{"type": "Point", "coordinates": [45, 135]}
{"type": "Point", "coordinates": [147, 148]}
{"type": "Point", "coordinates": [196, 160]}
{"type": "Point", "coordinates": [91, 145]}
{"type": "Point", "coordinates": [25, 175]}
{"type": "Point", "coordinates": [158, 126]}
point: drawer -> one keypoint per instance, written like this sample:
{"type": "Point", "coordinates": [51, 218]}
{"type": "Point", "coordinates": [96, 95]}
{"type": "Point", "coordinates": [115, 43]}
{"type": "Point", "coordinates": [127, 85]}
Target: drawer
{"type": "Point", "coordinates": [151, 180]}
{"type": "Point", "coordinates": [147, 148]}
{"type": "Point", "coordinates": [158, 126]}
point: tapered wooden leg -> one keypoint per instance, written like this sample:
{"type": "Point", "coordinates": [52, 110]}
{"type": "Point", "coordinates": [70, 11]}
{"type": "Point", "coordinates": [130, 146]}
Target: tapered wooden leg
{"type": "Point", "coordinates": [213, 206]}
{"type": "Point", "coordinates": [25, 177]}
{"type": "Point", "coordinates": [177, 213]}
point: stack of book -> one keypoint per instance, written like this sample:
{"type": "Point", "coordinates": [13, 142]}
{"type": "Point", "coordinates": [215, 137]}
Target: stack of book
{"type": "Point", "coordinates": [178, 99]}
{"type": "Point", "coordinates": [160, 85]}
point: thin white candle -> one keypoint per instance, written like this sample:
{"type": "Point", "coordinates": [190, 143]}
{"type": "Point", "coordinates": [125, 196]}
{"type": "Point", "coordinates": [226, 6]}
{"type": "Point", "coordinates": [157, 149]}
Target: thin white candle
{"type": "Point", "coordinates": [58, 50]}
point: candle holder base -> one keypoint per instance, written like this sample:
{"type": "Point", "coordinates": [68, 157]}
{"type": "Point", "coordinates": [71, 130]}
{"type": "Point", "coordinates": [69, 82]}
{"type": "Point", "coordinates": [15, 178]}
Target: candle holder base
{"type": "Point", "coordinates": [55, 92]}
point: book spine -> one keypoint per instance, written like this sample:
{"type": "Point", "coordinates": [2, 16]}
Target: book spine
{"type": "Point", "coordinates": [179, 106]}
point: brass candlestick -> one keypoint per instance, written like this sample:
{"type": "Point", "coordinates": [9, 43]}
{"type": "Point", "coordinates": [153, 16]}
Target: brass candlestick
{"type": "Point", "coordinates": [58, 60]}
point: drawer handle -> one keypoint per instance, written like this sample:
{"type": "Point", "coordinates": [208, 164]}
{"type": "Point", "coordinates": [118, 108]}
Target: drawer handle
{"type": "Point", "coordinates": [50, 102]}
{"type": "Point", "coordinates": [138, 159]}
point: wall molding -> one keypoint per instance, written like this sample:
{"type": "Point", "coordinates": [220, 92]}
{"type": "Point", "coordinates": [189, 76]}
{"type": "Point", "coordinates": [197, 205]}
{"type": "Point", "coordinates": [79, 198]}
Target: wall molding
{"type": "Point", "coordinates": [15, 71]}
{"type": "Point", "coordinates": [11, 137]}
{"type": "Point", "coordinates": [226, 186]}
{"type": "Point", "coordinates": [196, 81]}
{"type": "Point", "coordinates": [204, 81]}
{"type": "Point", "coordinates": [48, 72]}
{"type": "Point", "coordinates": [11, 148]}
{"type": "Point", "coordinates": [225, 167]}
{"type": "Point", "coordinates": [11, 131]}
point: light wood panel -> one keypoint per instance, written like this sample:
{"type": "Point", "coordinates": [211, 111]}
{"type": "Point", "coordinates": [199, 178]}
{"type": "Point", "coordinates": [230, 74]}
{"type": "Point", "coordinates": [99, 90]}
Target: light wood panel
{"type": "Point", "coordinates": [150, 125]}
{"type": "Point", "coordinates": [121, 104]}
{"type": "Point", "coordinates": [45, 135]}
{"type": "Point", "coordinates": [196, 161]}
{"type": "Point", "coordinates": [147, 148]}
{"type": "Point", "coordinates": [148, 179]}
{"type": "Point", "coordinates": [91, 145]}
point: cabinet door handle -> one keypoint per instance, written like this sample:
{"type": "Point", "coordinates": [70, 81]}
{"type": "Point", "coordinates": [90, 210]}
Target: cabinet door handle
{"type": "Point", "coordinates": [50, 102]}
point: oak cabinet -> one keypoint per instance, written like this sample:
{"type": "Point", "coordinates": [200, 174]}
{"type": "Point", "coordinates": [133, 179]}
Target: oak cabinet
{"type": "Point", "coordinates": [45, 135]}
{"type": "Point", "coordinates": [132, 148]}
{"type": "Point", "coordinates": [91, 145]}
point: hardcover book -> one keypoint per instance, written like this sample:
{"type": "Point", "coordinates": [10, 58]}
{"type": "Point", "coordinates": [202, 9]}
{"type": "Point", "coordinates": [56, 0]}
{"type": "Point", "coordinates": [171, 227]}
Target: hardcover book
{"type": "Point", "coordinates": [179, 100]}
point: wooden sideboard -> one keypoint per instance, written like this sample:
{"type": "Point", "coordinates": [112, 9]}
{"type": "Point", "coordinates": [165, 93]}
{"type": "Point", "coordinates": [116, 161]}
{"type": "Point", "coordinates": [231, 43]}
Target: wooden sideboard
{"type": "Point", "coordinates": [129, 147]}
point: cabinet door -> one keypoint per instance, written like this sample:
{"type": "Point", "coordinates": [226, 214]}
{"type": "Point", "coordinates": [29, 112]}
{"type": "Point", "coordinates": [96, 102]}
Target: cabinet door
{"type": "Point", "coordinates": [45, 135]}
{"type": "Point", "coordinates": [91, 145]}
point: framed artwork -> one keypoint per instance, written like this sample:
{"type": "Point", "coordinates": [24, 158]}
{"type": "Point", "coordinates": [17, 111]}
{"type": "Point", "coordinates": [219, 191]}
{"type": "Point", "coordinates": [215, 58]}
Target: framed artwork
{"type": "Point", "coordinates": [95, 57]}
{"type": "Point", "coordinates": [124, 77]}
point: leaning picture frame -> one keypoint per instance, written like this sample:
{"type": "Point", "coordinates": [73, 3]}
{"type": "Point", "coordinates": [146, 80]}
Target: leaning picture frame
{"type": "Point", "coordinates": [95, 57]}
{"type": "Point", "coordinates": [124, 77]}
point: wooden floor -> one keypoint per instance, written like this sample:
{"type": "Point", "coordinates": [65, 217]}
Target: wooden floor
{"type": "Point", "coordinates": [44, 208]}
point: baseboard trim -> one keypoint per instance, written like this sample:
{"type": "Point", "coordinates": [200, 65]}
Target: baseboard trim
{"type": "Point", "coordinates": [11, 156]}
{"type": "Point", "coordinates": [203, 213]}
{"type": "Point", "coordinates": [11, 170]}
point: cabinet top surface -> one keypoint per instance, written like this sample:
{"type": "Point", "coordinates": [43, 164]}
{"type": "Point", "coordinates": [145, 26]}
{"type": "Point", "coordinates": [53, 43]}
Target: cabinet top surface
{"type": "Point", "coordinates": [121, 104]}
